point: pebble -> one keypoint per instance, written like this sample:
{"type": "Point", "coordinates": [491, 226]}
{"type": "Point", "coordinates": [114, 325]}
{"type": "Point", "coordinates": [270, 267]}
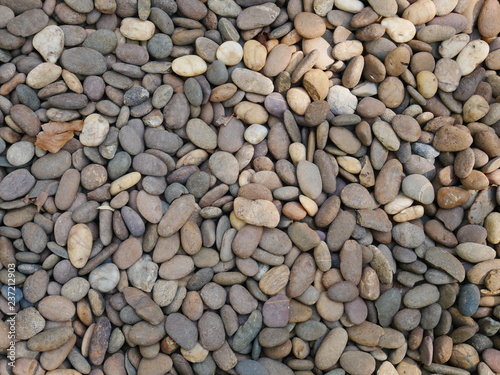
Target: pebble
{"type": "Point", "coordinates": [245, 186]}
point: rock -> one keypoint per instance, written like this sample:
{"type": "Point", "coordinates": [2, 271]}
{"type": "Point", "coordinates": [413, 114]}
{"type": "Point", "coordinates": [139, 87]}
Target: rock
{"type": "Point", "coordinates": [357, 362]}
{"type": "Point", "coordinates": [49, 42]}
{"type": "Point", "coordinates": [181, 330]}
{"type": "Point", "coordinates": [276, 311]}
{"type": "Point", "coordinates": [474, 252]}
{"type": "Point", "coordinates": [492, 358]}
{"type": "Point", "coordinates": [419, 188]}
{"type": "Point", "coordinates": [104, 278]}
{"type": "Point", "coordinates": [341, 101]}
{"type": "Point", "coordinates": [189, 66]}
{"type": "Point", "coordinates": [143, 305]}
{"type": "Point", "coordinates": [474, 53]}
{"type": "Point", "coordinates": [16, 184]}
{"type": "Point", "coordinates": [79, 245]}
{"type": "Point", "coordinates": [256, 212]}
{"type": "Point", "coordinates": [251, 81]}
{"type": "Point", "coordinates": [421, 296]}
{"type": "Point", "coordinates": [257, 16]}
{"type": "Point", "coordinates": [309, 25]}
{"type": "Point", "coordinates": [445, 261]}
{"type": "Point", "coordinates": [400, 30]}
{"type": "Point", "coordinates": [468, 299]}
{"type": "Point", "coordinates": [84, 61]}
{"type": "Point", "coordinates": [137, 29]}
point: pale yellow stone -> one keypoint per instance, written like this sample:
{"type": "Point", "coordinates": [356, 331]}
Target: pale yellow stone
{"type": "Point", "coordinates": [230, 53]}
{"type": "Point", "coordinates": [251, 113]}
{"type": "Point", "coordinates": [258, 212]}
{"type": "Point", "coordinates": [472, 55]}
{"type": "Point", "coordinates": [475, 108]}
{"type": "Point", "coordinates": [235, 221]}
{"type": "Point", "coordinates": [492, 225]}
{"type": "Point", "coordinates": [349, 163]}
{"type": "Point", "coordinates": [427, 84]}
{"type": "Point", "coordinates": [195, 157]}
{"type": "Point", "coordinates": [410, 213]}
{"type": "Point", "coordinates": [254, 55]}
{"type": "Point", "coordinates": [297, 152]}
{"type": "Point", "coordinates": [309, 205]}
{"type": "Point", "coordinates": [197, 354]}
{"type": "Point", "coordinates": [124, 182]}
{"type": "Point", "coordinates": [137, 29]}
{"type": "Point", "coordinates": [189, 66]}
{"type": "Point", "coordinates": [298, 100]}
{"type": "Point", "coordinates": [399, 204]}
{"type": "Point", "coordinates": [79, 245]}
{"type": "Point", "coordinates": [399, 29]}
{"type": "Point", "coordinates": [43, 74]}
{"type": "Point", "coordinates": [449, 48]}
{"type": "Point", "coordinates": [72, 81]}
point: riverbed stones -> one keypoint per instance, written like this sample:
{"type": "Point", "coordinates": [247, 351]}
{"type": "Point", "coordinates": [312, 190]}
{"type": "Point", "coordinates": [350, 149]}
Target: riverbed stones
{"type": "Point", "coordinates": [250, 187]}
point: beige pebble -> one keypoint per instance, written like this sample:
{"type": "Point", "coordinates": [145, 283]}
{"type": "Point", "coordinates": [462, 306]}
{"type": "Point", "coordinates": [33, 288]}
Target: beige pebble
{"type": "Point", "coordinates": [125, 182]}
{"type": "Point", "coordinates": [254, 55]}
{"type": "Point", "coordinates": [230, 53]}
{"type": "Point", "coordinates": [137, 29]}
{"type": "Point", "coordinates": [79, 245]}
{"type": "Point", "coordinates": [427, 84]}
{"type": "Point", "coordinates": [95, 129]}
{"type": "Point", "coordinates": [49, 43]}
{"type": "Point", "coordinates": [43, 74]}
{"type": "Point", "coordinates": [189, 66]}
{"type": "Point", "coordinates": [399, 29]}
{"type": "Point", "coordinates": [473, 54]}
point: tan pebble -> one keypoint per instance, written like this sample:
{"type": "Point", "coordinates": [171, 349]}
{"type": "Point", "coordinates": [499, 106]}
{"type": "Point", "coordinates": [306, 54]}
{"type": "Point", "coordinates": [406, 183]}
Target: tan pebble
{"type": "Point", "coordinates": [350, 164]}
{"type": "Point", "coordinates": [72, 81]}
{"type": "Point", "coordinates": [408, 214]}
{"type": "Point", "coordinates": [347, 50]}
{"type": "Point", "coordinates": [251, 113]}
{"type": "Point", "coordinates": [475, 108]}
{"type": "Point", "coordinates": [399, 29]}
{"type": "Point", "coordinates": [298, 100]}
{"type": "Point", "coordinates": [473, 54]}
{"type": "Point", "coordinates": [427, 84]}
{"type": "Point", "coordinates": [43, 74]}
{"type": "Point", "coordinates": [420, 12]}
{"type": "Point", "coordinates": [309, 25]}
{"type": "Point", "coordinates": [230, 53]}
{"type": "Point", "coordinates": [257, 212]}
{"type": "Point", "coordinates": [79, 245]}
{"type": "Point", "coordinates": [125, 182]}
{"type": "Point", "coordinates": [189, 66]}
{"type": "Point", "coordinates": [137, 29]}
{"type": "Point", "coordinates": [274, 280]}
{"type": "Point", "coordinates": [95, 129]}
{"type": "Point", "coordinates": [254, 55]}
{"type": "Point", "coordinates": [309, 205]}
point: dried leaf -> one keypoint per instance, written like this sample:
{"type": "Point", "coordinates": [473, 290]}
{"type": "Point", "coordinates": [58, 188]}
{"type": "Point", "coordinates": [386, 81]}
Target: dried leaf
{"type": "Point", "coordinates": [52, 142]}
{"type": "Point", "coordinates": [40, 200]}
{"type": "Point", "coordinates": [224, 120]}
{"type": "Point", "coordinates": [56, 134]}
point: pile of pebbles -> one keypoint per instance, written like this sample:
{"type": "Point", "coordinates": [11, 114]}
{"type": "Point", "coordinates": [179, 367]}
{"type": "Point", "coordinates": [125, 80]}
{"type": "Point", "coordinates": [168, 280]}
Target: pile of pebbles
{"type": "Point", "coordinates": [250, 187]}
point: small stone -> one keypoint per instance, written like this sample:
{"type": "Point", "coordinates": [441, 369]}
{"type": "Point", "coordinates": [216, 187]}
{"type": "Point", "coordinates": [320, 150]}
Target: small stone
{"type": "Point", "coordinates": [137, 29]}
{"type": "Point", "coordinates": [189, 66]}
{"type": "Point", "coordinates": [256, 212]}
{"type": "Point", "coordinates": [79, 245]}
{"type": "Point", "coordinates": [49, 42]}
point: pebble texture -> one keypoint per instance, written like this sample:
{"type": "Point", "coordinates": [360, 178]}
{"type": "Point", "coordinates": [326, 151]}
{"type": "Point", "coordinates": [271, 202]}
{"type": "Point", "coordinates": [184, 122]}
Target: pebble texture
{"type": "Point", "coordinates": [250, 187]}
